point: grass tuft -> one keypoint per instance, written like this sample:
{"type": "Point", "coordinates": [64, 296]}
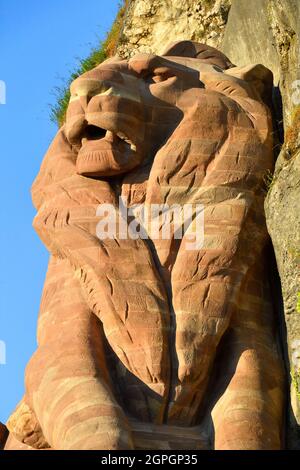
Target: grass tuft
{"type": "Point", "coordinates": [104, 50]}
{"type": "Point", "coordinates": [295, 382]}
{"type": "Point", "coordinates": [268, 181]}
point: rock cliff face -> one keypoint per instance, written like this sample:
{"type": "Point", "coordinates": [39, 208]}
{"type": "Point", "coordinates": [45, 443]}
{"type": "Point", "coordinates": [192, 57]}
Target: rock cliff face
{"type": "Point", "coordinates": [150, 24]}
{"type": "Point", "coordinates": [266, 31]}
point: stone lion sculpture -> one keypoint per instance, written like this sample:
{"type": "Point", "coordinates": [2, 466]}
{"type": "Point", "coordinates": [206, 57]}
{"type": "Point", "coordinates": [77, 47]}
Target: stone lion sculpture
{"type": "Point", "coordinates": [143, 343]}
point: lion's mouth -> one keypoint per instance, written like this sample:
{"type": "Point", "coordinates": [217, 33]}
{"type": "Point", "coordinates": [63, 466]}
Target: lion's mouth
{"type": "Point", "coordinates": [92, 133]}
{"type": "Point", "coordinates": [105, 153]}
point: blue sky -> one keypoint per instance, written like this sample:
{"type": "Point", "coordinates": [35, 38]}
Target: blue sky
{"type": "Point", "coordinates": [39, 44]}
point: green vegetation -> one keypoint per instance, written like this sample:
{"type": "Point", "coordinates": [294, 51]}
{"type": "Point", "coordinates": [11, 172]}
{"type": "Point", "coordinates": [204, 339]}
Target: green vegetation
{"type": "Point", "coordinates": [295, 382]}
{"type": "Point", "coordinates": [268, 180]}
{"type": "Point", "coordinates": [295, 254]}
{"type": "Point", "coordinates": [105, 49]}
{"type": "Point", "coordinates": [292, 140]}
{"type": "Point", "coordinates": [298, 303]}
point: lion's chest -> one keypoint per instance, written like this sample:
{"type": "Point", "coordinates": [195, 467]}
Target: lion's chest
{"type": "Point", "coordinates": [198, 168]}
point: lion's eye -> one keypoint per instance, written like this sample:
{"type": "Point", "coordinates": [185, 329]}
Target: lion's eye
{"type": "Point", "coordinates": [161, 77]}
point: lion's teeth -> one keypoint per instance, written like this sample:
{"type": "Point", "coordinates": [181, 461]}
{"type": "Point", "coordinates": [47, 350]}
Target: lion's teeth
{"type": "Point", "coordinates": [128, 141]}
{"type": "Point", "coordinates": [105, 91]}
{"type": "Point", "coordinates": [121, 136]}
{"type": "Point", "coordinates": [109, 135]}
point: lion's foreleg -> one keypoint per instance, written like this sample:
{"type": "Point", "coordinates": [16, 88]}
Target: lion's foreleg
{"type": "Point", "coordinates": [67, 382]}
{"type": "Point", "coordinates": [206, 285]}
{"type": "Point", "coordinates": [249, 414]}
{"type": "Point", "coordinates": [198, 334]}
{"type": "Point", "coordinates": [128, 297]}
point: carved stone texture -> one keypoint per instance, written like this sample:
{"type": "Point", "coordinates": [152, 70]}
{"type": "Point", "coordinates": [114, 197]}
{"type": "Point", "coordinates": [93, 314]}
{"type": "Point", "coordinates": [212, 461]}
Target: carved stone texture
{"type": "Point", "coordinates": [146, 338]}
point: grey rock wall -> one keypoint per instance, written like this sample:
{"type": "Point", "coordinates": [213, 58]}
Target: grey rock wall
{"type": "Point", "coordinates": [151, 24]}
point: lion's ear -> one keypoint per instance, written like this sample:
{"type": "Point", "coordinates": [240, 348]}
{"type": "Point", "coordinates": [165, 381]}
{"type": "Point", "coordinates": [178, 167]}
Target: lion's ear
{"type": "Point", "coordinates": [259, 76]}
{"type": "Point", "coordinates": [198, 50]}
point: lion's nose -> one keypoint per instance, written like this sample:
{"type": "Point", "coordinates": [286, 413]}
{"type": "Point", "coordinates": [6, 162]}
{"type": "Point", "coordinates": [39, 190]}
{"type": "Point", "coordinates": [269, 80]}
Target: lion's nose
{"type": "Point", "coordinates": [84, 89]}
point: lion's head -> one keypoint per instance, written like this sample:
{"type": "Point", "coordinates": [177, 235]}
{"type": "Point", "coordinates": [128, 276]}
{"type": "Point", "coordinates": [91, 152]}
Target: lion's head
{"type": "Point", "coordinates": [122, 111]}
